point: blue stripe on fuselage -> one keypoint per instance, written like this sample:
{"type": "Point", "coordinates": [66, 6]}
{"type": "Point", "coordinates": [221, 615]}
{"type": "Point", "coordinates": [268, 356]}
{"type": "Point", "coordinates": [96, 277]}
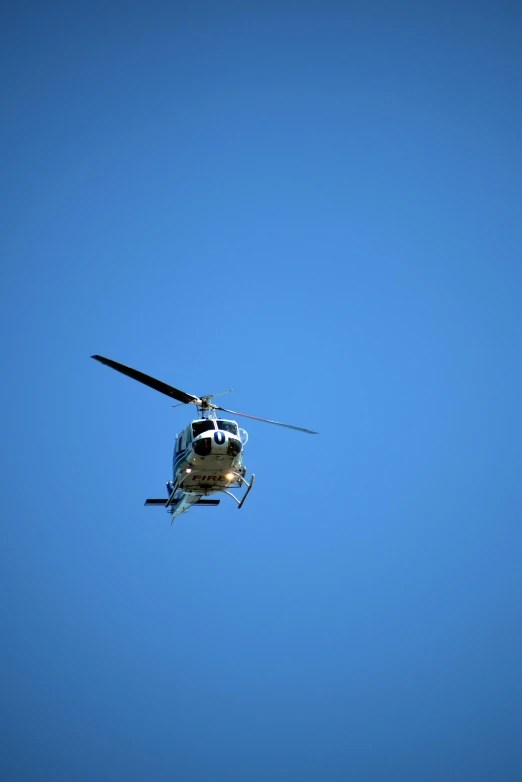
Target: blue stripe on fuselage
{"type": "Point", "coordinates": [179, 457]}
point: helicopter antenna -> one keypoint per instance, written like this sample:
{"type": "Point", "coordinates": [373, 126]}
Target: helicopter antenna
{"type": "Point", "coordinates": [211, 396]}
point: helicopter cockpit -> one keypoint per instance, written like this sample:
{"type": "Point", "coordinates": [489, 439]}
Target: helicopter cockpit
{"type": "Point", "coordinates": [206, 424]}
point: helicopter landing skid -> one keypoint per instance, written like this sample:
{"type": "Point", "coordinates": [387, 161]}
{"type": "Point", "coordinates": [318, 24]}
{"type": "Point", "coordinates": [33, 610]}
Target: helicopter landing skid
{"type": "Point", "coordinates": [241, 481]}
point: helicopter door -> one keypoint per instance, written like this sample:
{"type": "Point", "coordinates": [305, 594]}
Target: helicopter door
{"type": "Point", "coordinates": [184, 440]}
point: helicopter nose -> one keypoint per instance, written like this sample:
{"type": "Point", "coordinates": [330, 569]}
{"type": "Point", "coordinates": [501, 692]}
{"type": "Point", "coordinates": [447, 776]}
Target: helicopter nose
{"type": "Point", "coordinates": [218, 442]}
{"type": "Point", "coordinates": [220, 437]}
{"type": "Point", "coordinates": [224, 443]}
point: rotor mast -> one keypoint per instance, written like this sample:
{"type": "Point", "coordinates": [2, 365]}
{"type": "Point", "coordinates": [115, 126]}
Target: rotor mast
{"type": "Point", "coordinates": [205, 407]}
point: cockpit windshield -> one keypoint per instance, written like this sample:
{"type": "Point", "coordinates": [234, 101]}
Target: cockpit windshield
{"type": "Point", "coordinates": [227, 426]}
{"type": "Point", "coordinates": [198, 427]}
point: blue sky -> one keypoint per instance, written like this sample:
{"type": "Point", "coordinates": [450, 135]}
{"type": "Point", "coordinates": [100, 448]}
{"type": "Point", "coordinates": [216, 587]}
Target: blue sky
{"type": "Point", "coordinates": [318, 207]}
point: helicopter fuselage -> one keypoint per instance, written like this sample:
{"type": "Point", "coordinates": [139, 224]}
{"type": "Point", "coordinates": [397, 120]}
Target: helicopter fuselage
{"type": "Point", "coordinates": [207, 458]}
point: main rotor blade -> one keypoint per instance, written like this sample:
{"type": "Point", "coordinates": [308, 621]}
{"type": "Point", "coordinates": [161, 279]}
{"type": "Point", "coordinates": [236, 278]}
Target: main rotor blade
{"type": "Point", "coordinates": [157, 385]}
{"type": "Point", "coordinates": [267, 420]}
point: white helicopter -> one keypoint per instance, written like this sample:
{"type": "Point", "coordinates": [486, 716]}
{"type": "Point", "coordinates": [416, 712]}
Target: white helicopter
{"type": "Point", "coordinates": [208, 452]}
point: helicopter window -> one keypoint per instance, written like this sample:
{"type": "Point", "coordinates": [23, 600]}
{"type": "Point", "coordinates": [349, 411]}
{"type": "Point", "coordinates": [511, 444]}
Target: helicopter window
{"type": "Point", "coordinates": [198, 427]}
{"type": "Point", "coordinates": [227, 426]}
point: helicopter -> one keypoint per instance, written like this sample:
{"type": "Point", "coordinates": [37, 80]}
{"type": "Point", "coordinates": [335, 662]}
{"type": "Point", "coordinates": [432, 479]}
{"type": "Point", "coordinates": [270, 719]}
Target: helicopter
{"type": "Point", "coordinates": [208, 453]}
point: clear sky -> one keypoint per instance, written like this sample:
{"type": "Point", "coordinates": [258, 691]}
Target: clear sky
{"type": "Point", "coordinates": [316, 205]}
